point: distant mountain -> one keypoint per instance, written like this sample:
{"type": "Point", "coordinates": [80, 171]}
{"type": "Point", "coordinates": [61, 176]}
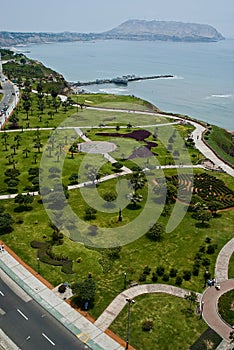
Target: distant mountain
{"type": "Point", "coordinates": [129, 30]}
{"type": "Point", "coordinates": [164, 30]}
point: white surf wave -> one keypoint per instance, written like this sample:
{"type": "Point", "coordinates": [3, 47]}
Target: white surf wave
{"type": "Point", "coordinates": [219, 96]}
{"type": "Point", "coordinates": [113, 90]}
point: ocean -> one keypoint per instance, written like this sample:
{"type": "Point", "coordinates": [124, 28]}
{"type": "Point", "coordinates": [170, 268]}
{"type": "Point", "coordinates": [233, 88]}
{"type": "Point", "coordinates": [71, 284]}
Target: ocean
{"type": "Point", "coordinates": [202, 86]}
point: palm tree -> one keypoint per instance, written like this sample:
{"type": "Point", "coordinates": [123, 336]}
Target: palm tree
{"type": "Point", "coordinates": [38, 145]}
{"type": "Point", "coordinates": [14, 146]}
{"type": "Point", "coordinates": [17, 138]}
{"type": "Point", "coordinates": [35, 158]}
{"type": "Point", "coordinates": [137, 180]}
{"type": "Point", "coordinates": [14, 162]}
{"type": "Point", "coordinates": [49, 149]}
{"type": "Point", "coordinates": [9, 157]}
{"type": "Point", "coordinates": [27, 106]}
{"type": "Point", "coordinates": [26, 151]}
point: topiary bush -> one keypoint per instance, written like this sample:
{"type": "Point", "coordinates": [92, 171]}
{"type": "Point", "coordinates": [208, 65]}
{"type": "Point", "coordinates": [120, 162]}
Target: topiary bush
{"type": "Point", "coordinates": [147, 325]}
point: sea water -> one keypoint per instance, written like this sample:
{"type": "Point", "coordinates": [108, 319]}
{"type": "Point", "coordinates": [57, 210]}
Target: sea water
{"type": "Point", "coordinates": [202, 86]}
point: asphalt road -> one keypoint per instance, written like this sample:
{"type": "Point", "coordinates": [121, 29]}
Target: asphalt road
{"type": "Point", "coordinates": [8, 99]}
{"type": "Point", "coordinates": [30, 326]}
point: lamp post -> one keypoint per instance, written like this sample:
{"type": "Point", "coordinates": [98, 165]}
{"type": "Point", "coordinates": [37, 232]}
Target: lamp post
{"type": "Point", "coordinates": [130, 302]}
{"type": "Point", "coordinates": [38, 266]}
{"type": "Point", "coordinates": [125, 280]}
{"type": "Point", "coordinates": [201, 308]}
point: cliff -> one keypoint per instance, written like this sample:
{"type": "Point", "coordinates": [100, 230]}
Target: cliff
{"type": "Point", "coordinates": [164, 30]}
{"type": "Point", "coordinates": [129, 30]}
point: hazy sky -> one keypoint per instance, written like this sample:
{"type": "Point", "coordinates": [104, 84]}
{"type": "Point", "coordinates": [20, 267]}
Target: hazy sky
{"type": "Point", "coordinates": [101, 15]}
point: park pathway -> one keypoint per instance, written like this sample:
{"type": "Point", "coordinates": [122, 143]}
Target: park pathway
{"type": "Point", "coordinates": [208, 300]}
{"type": "Point", "coordinates": [211, 295]}
{"type": "Point", "coordinates": [116, 306]}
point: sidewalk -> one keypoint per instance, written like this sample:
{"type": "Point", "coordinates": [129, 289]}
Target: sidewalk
{"type": "Point", "coordinates": [79, 325]}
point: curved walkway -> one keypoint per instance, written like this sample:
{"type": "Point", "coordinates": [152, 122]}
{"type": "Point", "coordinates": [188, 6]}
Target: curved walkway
{"type": "Point", "coordinates": [208, 300]}
{"type": "Point", "coordinates": [210, 313]}
{"type": "Point", "coordinates": [116, 306]}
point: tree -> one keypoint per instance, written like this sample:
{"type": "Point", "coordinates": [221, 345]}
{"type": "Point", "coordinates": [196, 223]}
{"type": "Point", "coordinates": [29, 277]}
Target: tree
{"type": "Point", "coordinates": [6, 223]}
{"type": "Point", "coordinates": [202, 215]}
{"type": "Point", "coordinates": [134, 198]}
{"type": "Point", "coordinates": [24, 200]}
{"type": "Point", "coordinates": [38, 145]}
{"type": "Point", "coordinates": [192, 298]}
{"type": "Point", "coordinates": [90, 213]}
{"type": "Point", "coordinates": [109, 196]}
{"type": "Point", "coordinates": [156, 232]}
{"type": "Point", "coordinates": [84, 292]}
{"type": "Point", "coordinates": [137, 180]}
{"type": "Point", "coordinates": [17, 139]}
{"type": "Point", "coordinates": [171, 193]}
{"type": "Point", "coordinates": [27, 106]}
{"type": "Point", "coordinates": [74, 179]}
{"type": "Point", "coordinates": [213, 206]}
{"type": "Point", "coordinates": [26, 151]}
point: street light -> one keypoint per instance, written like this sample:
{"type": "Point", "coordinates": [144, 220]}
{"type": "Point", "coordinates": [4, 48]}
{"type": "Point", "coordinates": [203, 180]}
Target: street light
{"type": "Point", "coordinates": [201, 308]}
{"type": "Point", "coordinates": [38, 266]}
{"type": "Point", "coordinates": [125, 280]}
{"type": "Point", "coordinates": [130, 302]}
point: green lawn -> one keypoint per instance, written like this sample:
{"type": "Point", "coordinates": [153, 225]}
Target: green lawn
{"type": "Point", "coordinates": [177, 249]}
{"type": "Point", "coordinates": [174, 326]}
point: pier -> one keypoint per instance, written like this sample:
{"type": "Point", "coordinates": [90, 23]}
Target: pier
{"type": "Point", "coordinates": [124, 80]}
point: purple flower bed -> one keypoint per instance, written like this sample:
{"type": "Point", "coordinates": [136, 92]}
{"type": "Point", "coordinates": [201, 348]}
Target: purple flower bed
{"type": "Point", "coordinates": [138, 135]}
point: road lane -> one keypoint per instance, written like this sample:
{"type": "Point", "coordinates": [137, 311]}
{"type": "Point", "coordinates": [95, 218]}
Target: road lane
{"type": "Point", "coordinates": [32, 327]}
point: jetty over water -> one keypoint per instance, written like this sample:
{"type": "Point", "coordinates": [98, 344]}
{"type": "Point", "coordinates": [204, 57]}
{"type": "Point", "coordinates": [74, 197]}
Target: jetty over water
{"type": "Point", "coordinates": [124, 80]}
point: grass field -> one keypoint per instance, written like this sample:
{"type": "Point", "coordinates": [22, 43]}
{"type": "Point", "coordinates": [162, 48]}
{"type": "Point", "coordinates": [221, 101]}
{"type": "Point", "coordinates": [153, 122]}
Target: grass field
{"type": "Point", "coordinates": [177, 248]}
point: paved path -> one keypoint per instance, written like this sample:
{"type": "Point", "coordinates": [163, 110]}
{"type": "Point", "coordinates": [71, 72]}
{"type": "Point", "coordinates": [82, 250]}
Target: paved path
{"type": "Point", "coordinates": [206, 151]}
{"type": "Point", "coordinates": [222, 262]}
{"type": "Point", "coordinates": [210, 309]}
{"type": "Point", "coordinates": [209, 299]}
{"type": "Point", "coordinates": [116, 306]}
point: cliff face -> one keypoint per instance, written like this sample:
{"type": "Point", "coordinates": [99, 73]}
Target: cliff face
{"type": "Point", "coordinates": [129, 30]}
{"type": "Point", "coordinates": [164, 30]}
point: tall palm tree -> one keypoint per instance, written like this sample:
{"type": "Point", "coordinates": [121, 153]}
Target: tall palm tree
{"type": "Point", "coordinates": [14, 147]}
{"type": "Point", "coordinates": [26, 151]}
{"type": "Point", "coordinates": [27, 106]}
{"type": "Point", "coordinates": [17, 138]}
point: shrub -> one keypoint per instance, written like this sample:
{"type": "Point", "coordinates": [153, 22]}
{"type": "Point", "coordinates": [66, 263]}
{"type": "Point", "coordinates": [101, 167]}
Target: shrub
{"type": "Point", "coordinates": [210, 249]}
{"type": "Point", "coordinates": [173, 272]}
{"type": "Point", "coordinates": [178, 281]}
{"type": "Point", "coordinates": [147, 270]}
{"type": "Point", "coordinates": [206, 262]}
{"type": "Point", "coordinates": [187, 275]}
{"type": "Point", "coordinates": [195, 270]}
{"type": "Point", "coordinates": [142, 277]}
{"type": "Point", "coordinates": [160, 270]}
{"type": "Point", "coordinates": [208, 240]}
{"type": "Point", "coordinates": [62, 288]}
{"type": "Point", "coordinates": [165, 277]}
{"type": "Point", "coordinates": [147, 325]}
{"type": "Point", "coordinates": [202, 249]}
{"type": "Point", "coordinates": [154, 277]}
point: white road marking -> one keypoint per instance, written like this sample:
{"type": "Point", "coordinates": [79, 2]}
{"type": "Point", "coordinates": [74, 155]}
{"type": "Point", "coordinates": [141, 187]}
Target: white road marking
{"type": "Point", "coordinates": [2, 294]}
{"type": "Point", "coordinates": [21, 313]}
{"type": "Point", "coordinates": [47, 338]}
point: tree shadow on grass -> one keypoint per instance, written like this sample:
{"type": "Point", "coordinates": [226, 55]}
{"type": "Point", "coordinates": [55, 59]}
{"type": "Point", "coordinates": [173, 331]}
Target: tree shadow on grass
{"type": "Point", "coordinates": [22, 208]}
{"type": "Point", "coordinates": [202, 225]}
{"type": "Point", "coordinates": [133, 206]}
